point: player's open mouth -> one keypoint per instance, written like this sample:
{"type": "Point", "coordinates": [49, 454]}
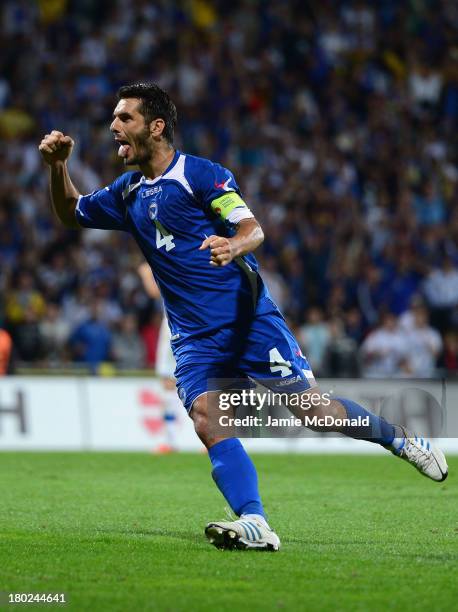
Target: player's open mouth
{"type": "Point", "coordinates": [124, 148]}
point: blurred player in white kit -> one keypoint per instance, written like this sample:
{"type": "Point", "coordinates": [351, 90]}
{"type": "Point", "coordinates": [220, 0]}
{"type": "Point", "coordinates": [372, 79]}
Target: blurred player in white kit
{"type": "Point", "coordinates": [165, 365]}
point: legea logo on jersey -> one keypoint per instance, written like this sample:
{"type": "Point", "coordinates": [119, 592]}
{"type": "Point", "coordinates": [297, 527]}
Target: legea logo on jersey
{"type": "Point", "coordinates": [151, 191]}
{"type": "Point", "coordinates": [152, 210]}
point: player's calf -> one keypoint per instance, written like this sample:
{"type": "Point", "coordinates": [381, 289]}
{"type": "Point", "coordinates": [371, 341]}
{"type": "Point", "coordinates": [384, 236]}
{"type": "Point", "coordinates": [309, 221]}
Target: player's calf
{"type": "Point", "coordinates": [362, 424]}
{"type": "Point", "coordinates": [233, 471]}
{"type": "Point", "coordinates": [348, 418]}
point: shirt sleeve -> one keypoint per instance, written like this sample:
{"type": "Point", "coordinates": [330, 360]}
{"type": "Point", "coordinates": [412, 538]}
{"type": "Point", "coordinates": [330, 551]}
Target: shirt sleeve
{"type": "Point", "coordinates": [218, 191]}
{"type": "Point", "coordinates": [103, 208]}
{"type": "Point", "coordinates": [435, 340]}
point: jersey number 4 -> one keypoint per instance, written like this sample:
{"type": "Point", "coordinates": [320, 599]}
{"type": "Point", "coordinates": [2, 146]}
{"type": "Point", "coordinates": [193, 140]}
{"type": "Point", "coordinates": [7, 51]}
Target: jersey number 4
{"type": "Point", "coordinates": [279, 363]}
{"type": "Point", "coordinates": [163, 237]}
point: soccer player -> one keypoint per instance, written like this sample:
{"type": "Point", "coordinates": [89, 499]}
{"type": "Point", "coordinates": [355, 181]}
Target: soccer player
{"type": "Point", "coordinates": [165, 363]}
{"type": "Point", "coordinates": [197, 234]}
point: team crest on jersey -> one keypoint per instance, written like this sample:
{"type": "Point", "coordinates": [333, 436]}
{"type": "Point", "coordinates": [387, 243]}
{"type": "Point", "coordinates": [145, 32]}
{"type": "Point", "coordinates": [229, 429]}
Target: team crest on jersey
{"type": "Point", "coordinates": [152, 210]}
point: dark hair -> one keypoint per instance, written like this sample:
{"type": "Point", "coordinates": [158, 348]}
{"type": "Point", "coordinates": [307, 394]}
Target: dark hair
{"type": "Point", "coordinates": [155, 102]}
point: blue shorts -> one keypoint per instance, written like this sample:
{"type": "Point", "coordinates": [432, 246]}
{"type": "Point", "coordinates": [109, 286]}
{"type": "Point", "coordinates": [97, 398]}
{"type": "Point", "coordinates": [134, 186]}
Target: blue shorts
{"type": "Point", "coordinates": [265, 351]}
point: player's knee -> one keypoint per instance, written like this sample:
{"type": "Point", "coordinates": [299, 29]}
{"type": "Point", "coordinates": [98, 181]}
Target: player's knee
{"type": "Point", "coordinates": [199, 415]}
{"type": "Point", "coordinates": [337, 410]}
{"type": "Point", "coordinates": [326, 407]}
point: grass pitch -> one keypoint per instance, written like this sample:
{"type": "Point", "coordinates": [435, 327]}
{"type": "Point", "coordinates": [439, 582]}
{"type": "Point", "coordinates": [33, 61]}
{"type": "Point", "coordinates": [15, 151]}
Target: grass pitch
{"type": "Point", "coordinates": [125, 532]}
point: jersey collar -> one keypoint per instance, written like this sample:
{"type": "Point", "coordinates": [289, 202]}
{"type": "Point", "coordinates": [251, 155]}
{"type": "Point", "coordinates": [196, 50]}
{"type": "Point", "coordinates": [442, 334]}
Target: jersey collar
{"type": "Point", "coordinates": [148, 181]}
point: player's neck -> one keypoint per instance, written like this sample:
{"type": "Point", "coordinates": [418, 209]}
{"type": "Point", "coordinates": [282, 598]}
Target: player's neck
{"type": "Point", "coordinates": [159, 162]}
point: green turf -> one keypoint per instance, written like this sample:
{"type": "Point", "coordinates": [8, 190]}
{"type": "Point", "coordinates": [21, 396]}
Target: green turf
{"type": "Point", "coordinates": [125, 532]}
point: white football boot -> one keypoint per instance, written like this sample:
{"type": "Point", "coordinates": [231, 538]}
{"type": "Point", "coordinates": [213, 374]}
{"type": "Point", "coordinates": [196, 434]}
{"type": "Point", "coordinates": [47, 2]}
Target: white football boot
{"type": "Point", "coordinates": [249, 532]}
{"type": "Point", "coordinates": [426, 458]}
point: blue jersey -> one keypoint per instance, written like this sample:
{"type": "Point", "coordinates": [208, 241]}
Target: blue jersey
{"type": "Point", "coordinates": [169, 217]}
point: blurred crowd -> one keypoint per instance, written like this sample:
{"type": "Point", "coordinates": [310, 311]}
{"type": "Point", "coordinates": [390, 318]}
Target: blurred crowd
{"type": "Point", "coordinates": [339, 120]}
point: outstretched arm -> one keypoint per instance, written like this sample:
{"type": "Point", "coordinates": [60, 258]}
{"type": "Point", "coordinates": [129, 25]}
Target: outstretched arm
{"type": "Point", "coordinates": [55, 148]}
{"type": "Point", "coordinates": [248, 237]}
{"type": "Point", "coordinates": [149, 284]}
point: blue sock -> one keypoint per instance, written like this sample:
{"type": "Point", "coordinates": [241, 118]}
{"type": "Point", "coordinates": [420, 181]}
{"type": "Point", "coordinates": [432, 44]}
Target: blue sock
{"type": "Point", "coordinates": [235, 476]}
{"type": "Point", "coordinates": [378, 430]}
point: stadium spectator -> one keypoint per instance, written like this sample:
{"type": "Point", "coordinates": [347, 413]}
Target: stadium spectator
{"type": "Point", "coordinates": [449, 360]}
{"type": "Point", "coordinates": [128, 348]}
{"type": "Point", "coordinates": [341, 358]}
{"type": "Point", "coordinates": [407, 319]}
{"type": "Point", "coordinates": [314, 338]}
{"type": "Point", "coordinates": [424, 345]}
{"type": "Point", "coordinates": [55, 331]}
{"type": "Point", "coordinates": [110, 310]}
{"type": "Point", "coordinates": [370, 294]}
{"type": "Point", "coordinates": [28, 339]}
{"type": "Point", "coordinates": [403, 284]}
{"type": "Point", "coordinates": [75, 305]}
{"type": "Point", "coordinates": [24, 300]}
{"type": "Point", "coordinates": [384, 351]}
{"type": "Point", "coordinates": [354, 325]}
{"type": "Point", "coordinates": [6, 346]}
{"type": "Point", "coordinates": [441, 291]}
{"type": "Point", "coordinates": [429, 206]}
{"type": "Point", "coordinates": [91, 341]}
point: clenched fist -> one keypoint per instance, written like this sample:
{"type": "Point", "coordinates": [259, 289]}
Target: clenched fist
{"type": "Point", "coordinates": [55, 147]}
{"type": "Point", "coordinates": [220, 248]}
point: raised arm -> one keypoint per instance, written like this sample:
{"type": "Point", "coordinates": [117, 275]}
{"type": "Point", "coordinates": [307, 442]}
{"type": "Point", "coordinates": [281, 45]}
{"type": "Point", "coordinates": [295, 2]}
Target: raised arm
{"type": "Point", "coordinates": [248, 237]}
{"type": "Point", "coordinates": [55, 148]}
